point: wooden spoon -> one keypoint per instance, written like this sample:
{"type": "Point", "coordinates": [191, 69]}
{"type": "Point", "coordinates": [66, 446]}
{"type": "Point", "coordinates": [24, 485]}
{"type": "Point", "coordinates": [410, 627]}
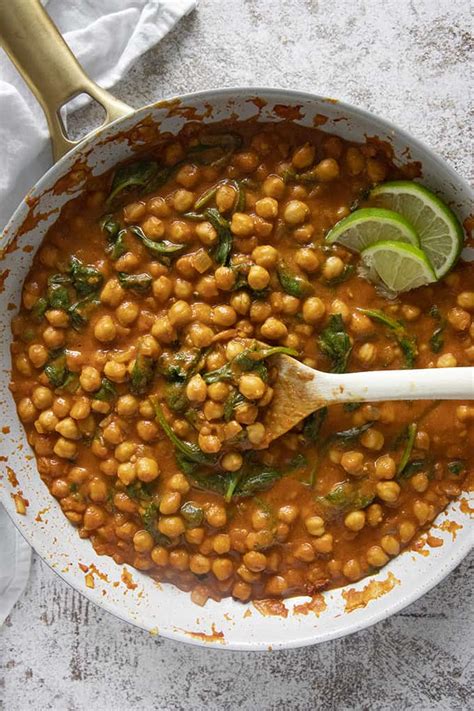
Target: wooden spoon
{"type": "Point", "coordinates": [300, 390]}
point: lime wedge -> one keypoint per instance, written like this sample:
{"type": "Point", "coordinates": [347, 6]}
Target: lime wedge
{"type": "Point", "coordinates": [441, 235]}
{"type": "Point", "coordinates": [398, 265]}
{"type": "Point", "coordinates": [369, 225]}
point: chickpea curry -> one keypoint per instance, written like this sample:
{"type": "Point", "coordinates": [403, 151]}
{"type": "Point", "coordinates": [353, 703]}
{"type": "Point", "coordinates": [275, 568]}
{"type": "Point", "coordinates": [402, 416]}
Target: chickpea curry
{"type": "Point", "coordinates": [145, 406]}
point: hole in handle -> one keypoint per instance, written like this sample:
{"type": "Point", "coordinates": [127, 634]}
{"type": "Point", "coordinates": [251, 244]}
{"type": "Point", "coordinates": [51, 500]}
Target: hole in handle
{"type": "Point", "coordinates": [81, 115]}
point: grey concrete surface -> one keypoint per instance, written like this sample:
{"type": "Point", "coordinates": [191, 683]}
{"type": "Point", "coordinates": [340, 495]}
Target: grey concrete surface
{"type": "Point", "coordinates": [409, 61]}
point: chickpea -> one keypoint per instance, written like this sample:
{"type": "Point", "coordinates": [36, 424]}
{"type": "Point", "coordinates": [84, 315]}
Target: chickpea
{"type": "Point", "coordinates": [466, 300]}
{"type": "Point", "coordinates": [355, 520]}
{"type": "Point", "coordinates": [314, 525]}
{"type": "Point", "coordinates": [81, 408]}
{"type": "Point", "coordinates": [351, 569]}
{"type": "Point", "coordinates": [221, 543]}
{"type": "Point", "coordinates": [225, 197]}
{"type": "Point", "coordinates": [172, 526]}
{"type": "Point", "coordinates": [267, 208]}
{"type": "Point", "coordinates": [179, 232]}
{"type": "Point", "coordinates": [303, 156]}
{"type": "Point", "coordinates": [295, 212]}
{"type": "Point", "coordinates": [113, 433]}
{"type": "Point", "coordinates": [206, 233]}
{"type": "Point", "coordinates": [354, 160]}
{"type": "Point", "coordinates": [127, 313]}
{"type": "Point", "coordinates": [232, 461]}
{"type": "Point", "coordinates": [374, 515]}
{"type": "Point", "coordinates": [274, 329]}
{"type": "Point", "coordinates": [222, 568]}
{"type": "Point", "coordinates": [224, 315]}
{"type": "Point", "coordinates": [372, 439]}
{"type": "Point", "coordinates": [327, 170]}
{"type": "Point", "coordinates": [308, 259]}
{"type": "Point", "coordinates": [153, 227]}
{"type": "Point", "coordinates": [127, 405]}
{"type": "Point", "coordinates": [68, 428]}
{"type": "Point", "coordinates": [260, 311]}
{"type": "Point", "coordinates": [265, 256]}
{"type": "Point", "coordinates": [53, 337]}
{"type": "Point", "coordinates": [304, 552]}
{"type": "Point", "coordinates": [26, 410]}
{"type": "Point", "coordinates": [241, 224]}
{"type": "Point", "coordinates": [447, 360]}
{"type": "Point", "coordinates": [274, 187]}
{"type": "Point", "coordinates": [160, 556]}
{"type": "Point", "coordinates": [225, 278]}
{"type": "Point", "coordinates": [213, 410]}
{"type": "Point", "coordinates": [406, 530]}
{"type": "Point", "coordinates": [90, 379]}
{"type": "Point", "coordinates": [94, 517]}
{"type": "Point", "coordinates": [124, 451]}
{"type": "Point", "coordinates": [332, 268]}
{"type": "Point", "coordinates": [38, 355]}
{"type": "Point", "coordinates": [65, 448]}
{"type": "Point", "coordinates": [303, 234]}
{"type": "Point", "coordinates": [206, 287]}
{"type": "Point", "coordinates": [180, 313]}
{"type": "Point", "coordinates": [170, 502]}
{"type": "Point", "coordinates": [256, 433]}
{"type": "Point", "coordinates": [419, 482]}
{"type": "Point", "coordinates": [246, 414]}
{"type": "Point", "coordinates": [367, 353]}
{"type": "Point", "coordinates": [313, 309]}
{"type": "Point", "coordinates": [200, 335]}
{"type": "Point", "coordinates": [251, 386]}
{"type": "Point", "coordinates": [218, 391]}
{"type": "Point", "coordinates": [179, 559]}
{"type": "Point", "coordinates": [385, 467]}
{"type": "Point", "coordinates": [183, 200]}
{"type": "Point", "coordinates": [178, 482]}
{"type": "Point", "coordinates": [126, 472]}
{"type": "Point", "coordinates": [196, 389]}
{"type": "Point", "coordinates": [105, 329]}
{"type": "Point", "coordinates": [210, 444]}
{"type": "Point", "coordinates": [388, 491]}
{"type": "Point", "coordinates": [163, 330]}
{"type": "Point", "coordinates": [162, 289]}
{"type": "Point", "coordinates": [61, 406]}
{"type": "Point", "coordinates": [352, 462]}
{"type": "Point", "coordinates": [134, 211]}
{"type": "Point", "coordinates": [113, 293]}
{"type": "Point", "coordinates": [46, 421]}
{"type": "Point", "coordinates": [215, 515]}
{"type": "Point", "coordinates": [42, 397]}
{"type": "Point", "coordinates": [60, 488]}
{"type": "Point", "coordinates": [323, 544]}
{"type": "Point", "coordinates": [147, 469]}
{"type": "Point", "coordinates": [128, 262]}
{"type": "Point", "coordinates": [143, 541]}
{"type": "Point", "coordinates": [390, 545]}
{"type": "Point", "coordinates": [377, 557]}
{"type": "Point", "coordinates": [116, 372]}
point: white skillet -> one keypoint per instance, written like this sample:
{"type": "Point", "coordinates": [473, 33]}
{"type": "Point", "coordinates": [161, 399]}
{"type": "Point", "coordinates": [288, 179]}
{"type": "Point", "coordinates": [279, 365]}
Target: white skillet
{"type": "Point", "coordinates": [42, 55]}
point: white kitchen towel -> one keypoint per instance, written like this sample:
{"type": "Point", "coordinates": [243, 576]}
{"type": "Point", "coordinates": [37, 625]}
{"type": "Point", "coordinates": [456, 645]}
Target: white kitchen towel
{"type": "Point", "coordinates": [106, 37]}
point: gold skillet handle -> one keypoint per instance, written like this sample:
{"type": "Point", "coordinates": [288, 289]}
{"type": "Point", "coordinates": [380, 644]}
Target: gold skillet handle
{"type": "Point", "coordinates": [48, 66]}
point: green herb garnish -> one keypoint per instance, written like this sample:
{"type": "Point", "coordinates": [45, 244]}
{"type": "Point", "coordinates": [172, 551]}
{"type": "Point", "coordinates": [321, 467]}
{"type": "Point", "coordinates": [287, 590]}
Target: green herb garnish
{"type": "Point", "coordinates": [293, 284]}
{"type": "Point", "coordinates": [139, 283]}
{"type": "Point", "coordinates": [457, 466]}
{"type": "Point", "coordinates": [222, 251]}
{"type": "Point", "coordinates": [410, 441]}
{"type": "Point", "coordinates": [162, 249]}
{"type": "Point", "coordinates": [335, 343]}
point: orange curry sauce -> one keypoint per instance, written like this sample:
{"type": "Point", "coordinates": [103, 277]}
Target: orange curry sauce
{"type": "Point", "coordinates": [122, 332]}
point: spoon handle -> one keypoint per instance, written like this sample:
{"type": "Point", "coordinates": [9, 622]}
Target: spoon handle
{"type": "Point", "coordinates": [423, 384]}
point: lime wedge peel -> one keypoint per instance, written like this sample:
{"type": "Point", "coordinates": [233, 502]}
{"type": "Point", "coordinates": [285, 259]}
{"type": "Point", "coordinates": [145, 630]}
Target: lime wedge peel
{"type": "Point", "coordinates": [440, 233]}
{"type": "Point", "coordinates": [369, 225]}
{"type": "Point", "coordinates": [398, 265]}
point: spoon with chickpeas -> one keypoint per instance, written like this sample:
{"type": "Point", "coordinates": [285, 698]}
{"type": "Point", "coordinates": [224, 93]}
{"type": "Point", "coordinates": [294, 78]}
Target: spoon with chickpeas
{"type": "Point", "coordinates": [299, 390]}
